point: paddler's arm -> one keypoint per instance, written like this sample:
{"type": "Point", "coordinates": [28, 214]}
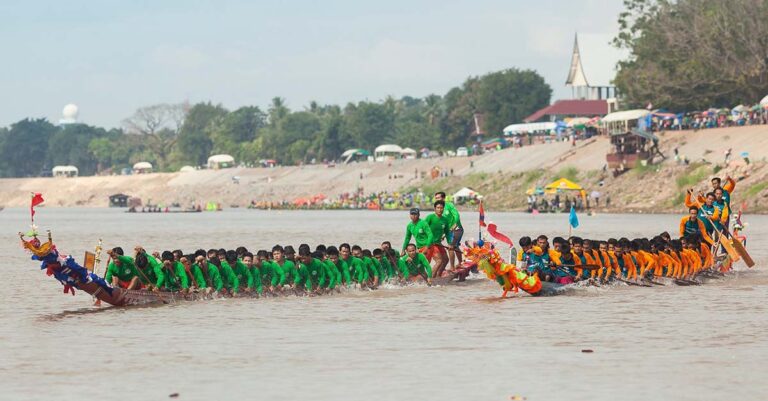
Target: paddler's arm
{"type": "Point", "coordinates": [408, 236]}
{"type": "Point", "coordinates": [688, 201]}
{"type": "Point", "coordinates": [344, 271]}
{"type": "Point", "coordinates": [729, 185]}
{"type": "Point", "coordinates": [403, 267]}
{"type": "Point", "coordinates": [216, 280]}
{"type": "Point", "coordinates": [331, 273]}
{"type": "Point", "coordinates": [108, 276]}
{"type": "Point", "coordinates": [278, 275]}
{"type": "Point", "coordinates": [682, 225]}
{"type": "Point", "coordinates": [197, 273]}
{"type": "Point", "coordinates": [704, 234]}
{"type": "Point", "coordinates": [181, 273]}
{"type": "Point", "coordinates": [424, 262]}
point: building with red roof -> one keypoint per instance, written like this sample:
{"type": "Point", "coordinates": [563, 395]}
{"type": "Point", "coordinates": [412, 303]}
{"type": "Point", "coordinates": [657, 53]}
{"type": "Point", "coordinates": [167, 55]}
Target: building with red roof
{"type": "Point", "coordinates": [562, 109]}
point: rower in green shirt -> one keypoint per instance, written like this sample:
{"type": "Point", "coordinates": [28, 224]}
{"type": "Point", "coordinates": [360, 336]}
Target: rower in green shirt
{"type": "Point", "coordinates": [340, 265]}
{"type": "Point", "coordinates": [196, 277]}
{"type": "Point", "coordinates": [272, 274]}
{"type": "Point", "coordinates": [175, 276]}
{"type": "Point", "coordinates": [231, 282]}
{"type": "Point", "coordinates": [418, 230]}
{"type": "Point", "coordinates": [388, 272]}
{"type": "Point", "coordinates": [455, 227]}
{"type": "Point", "coordinates": [121, 271]}
{"type": "Point", "coordinates": [357, 270]}
{"type": "Point", "coordinates": [213, 275]}
{"type": "Point", "coordinates": [242, 272]}
{"type": "Point", "coordinates": [288, 267]}
{"type": "Point", "coordinates": [372, 274]}
{"type": "Point", "coordinates": [439, 226]}
{"type": "Point", "coordinates": [312, 271]}
{"type": "Point", "coordinates": [414, 263]}
{"type": "Point", "coordinates": [150, 270]}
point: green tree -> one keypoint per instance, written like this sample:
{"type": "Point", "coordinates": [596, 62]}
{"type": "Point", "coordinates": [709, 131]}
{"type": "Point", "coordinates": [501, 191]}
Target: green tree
{"type": "Point", "coordinates": [370, 124]}
{"type": "Point", "coordinates": [69, 145]}
{"type": "Point", "coordinates": [693, 54]}
{"type": "Point", "coordinates": [194, 142]}
{"type": "Point", "coordinates": [24, 151]}
{"type": "Point", "coordinates": [508, 96]}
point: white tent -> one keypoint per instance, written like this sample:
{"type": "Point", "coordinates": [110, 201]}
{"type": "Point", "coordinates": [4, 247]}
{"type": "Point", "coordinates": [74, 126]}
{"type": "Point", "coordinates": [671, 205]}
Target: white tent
{"type": "Point", "coordinates": [387, 152]}
{"type": "Point", "coordinates": [764, 102]}
{"type": "Point", "coordinates": [142, 167]}
{"type": "Point", "coordinates": [466, 193]}
{"type": "Point", "coordinates": [221, 161]}
{"type": "Point", "coordinates": [186, 169]}
{"type": "Point", "coordinates": [516, 129]}
{"type": "Point", "coordinates": [65, 171]}
{"type": "Point", "coordinates": [409, 153]}
{"type": "Point", "coordinates": [622, 121]}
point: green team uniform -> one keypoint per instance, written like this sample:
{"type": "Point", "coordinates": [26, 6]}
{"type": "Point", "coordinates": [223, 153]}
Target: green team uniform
{"type": "Point", "coordinates": [181, 275]}
{"type": "Point", "coordinates": [231, 282]}
{"type": "Point", "coordinates": [172, 280]}
{"type": "Point", "coordinates": [288, 268]}
{"type": "Point", "coordinates": [453, 215]}
{"type": "Point", "coordinates": [198, 278]}
{"type": "Point", "coordinates": [439, 226]}
{"type": "Point", "coordinates": [153, 274]}
{"type": "Point", "coordinates": [126, 272]}
{"type": "Point", "coordinates": [343, 270]}
{"type": "Point", "coordinates": [312, 275]}
{"type": "Point", "coordinates": [357, 269]}
{"type": "Point", "coordinates": [245, 276]}
{"type": "Point", "coordinates": [272, 274]}
{"type": "Point", "coordinates": [332, 272]}
{"type": "Point", "coordinates": [415, 266]}
{"type": "Point", "coordinates": [387, 268]}
{"type": "Point", "coordinates": [214, 276]}
{"type": "Point", "coordinates": [373, 267]}
{"type": "Point", "coordinates": [420, 232]}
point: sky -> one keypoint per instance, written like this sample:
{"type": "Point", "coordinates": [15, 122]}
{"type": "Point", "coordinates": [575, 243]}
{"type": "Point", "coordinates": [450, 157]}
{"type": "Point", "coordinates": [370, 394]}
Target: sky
{"type": "Point", "coordinates": [111, 57]}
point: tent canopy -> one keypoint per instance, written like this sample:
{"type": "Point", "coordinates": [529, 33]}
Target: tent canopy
{"type": "Point", "coordinates": [221, 159]}
{"type": "Point", "coordinates": [186, 169]}
{"type": "Point", "coordinates": [626, 115]}
{"type": "Point", "coordinates": [764, 102]}
{"type": "Point", "coordinates": [409, 151]}
{"type": "Point", "coordinates": [562, 184]}
{"type": "Point", "coordinates": [388, 149]}
{"type": "Point", "coordinates": [466, 193]}
{"type": "Point", "coordinates": [64, 169]}
{"type": "Point", "coordinates": [142, 166]}
{"type": "Point", "coordinates": [516, 129]}
{"type": "Point", "coordinates": [350, 152]}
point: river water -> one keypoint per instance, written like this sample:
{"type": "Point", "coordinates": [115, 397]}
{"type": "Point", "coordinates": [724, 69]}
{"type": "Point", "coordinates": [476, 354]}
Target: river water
{"type": "Point", "coordinates": [459, 342]}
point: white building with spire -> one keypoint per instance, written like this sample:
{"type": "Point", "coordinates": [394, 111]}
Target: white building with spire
{"type": "Point", "coordinates": [593, 67]}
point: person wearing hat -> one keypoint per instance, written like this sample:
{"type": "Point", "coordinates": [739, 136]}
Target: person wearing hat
{"type": "Point", "coordinates": [418, 230]}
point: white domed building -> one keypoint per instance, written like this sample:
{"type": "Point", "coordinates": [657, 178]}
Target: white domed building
{"type": "Point", "coordinates": [69, 114]}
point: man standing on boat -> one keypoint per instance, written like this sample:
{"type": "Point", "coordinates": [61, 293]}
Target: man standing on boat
{"type": "Point", "coordinates": [419, 231]}
{"type": "Point", "coordinates": [438, 225]}
{"type": "Point", "coordinates": [455, 227]}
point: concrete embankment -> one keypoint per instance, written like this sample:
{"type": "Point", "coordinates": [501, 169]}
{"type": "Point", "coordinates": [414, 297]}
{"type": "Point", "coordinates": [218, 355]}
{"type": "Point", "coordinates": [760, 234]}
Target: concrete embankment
{"type": "Point", "coordinates": [501, 176]}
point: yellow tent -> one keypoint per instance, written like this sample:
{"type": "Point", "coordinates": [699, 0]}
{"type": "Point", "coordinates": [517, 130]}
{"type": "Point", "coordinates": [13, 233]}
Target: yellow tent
{"type": "Point", "coordinates": [564, 184]}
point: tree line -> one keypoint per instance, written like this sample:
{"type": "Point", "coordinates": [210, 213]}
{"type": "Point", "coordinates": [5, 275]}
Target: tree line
{"type": "Point", "coordinates": [171, 136]}
{"type": "Point", "coordinates": [690, 55]}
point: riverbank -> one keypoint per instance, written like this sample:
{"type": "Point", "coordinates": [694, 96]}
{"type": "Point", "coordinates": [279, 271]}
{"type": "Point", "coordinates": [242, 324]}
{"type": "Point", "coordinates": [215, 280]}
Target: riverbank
{"type": "Point", "coordinates": [502, 177]}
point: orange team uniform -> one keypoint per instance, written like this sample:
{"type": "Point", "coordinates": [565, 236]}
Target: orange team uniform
{"type": "Point", "coordinates": [702, 229]}
{"type": "Point", "coordinates": [706, 255]}
{"type": "Point", "coordinates": [598, 261]}
{"type": "Point", "coordinates": [614, 263]}
{"type": "Point", "coordinates": [651, 261]}
{"type": "Point", "coordinates": [577, 262]}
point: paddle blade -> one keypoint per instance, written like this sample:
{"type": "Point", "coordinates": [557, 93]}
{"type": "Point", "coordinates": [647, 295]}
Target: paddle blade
{"type": "Point", "coordinates": [739, 248]}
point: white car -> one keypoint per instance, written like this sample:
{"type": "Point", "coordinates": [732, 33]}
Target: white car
{"type": "Point", "coordinates": [462, 152]}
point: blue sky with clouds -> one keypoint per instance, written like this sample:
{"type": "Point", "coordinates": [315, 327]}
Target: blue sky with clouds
{"type": "Point", "coordinates": [111, 57]}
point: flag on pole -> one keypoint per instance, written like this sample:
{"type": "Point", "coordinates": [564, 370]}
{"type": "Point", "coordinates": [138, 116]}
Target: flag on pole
{"type": "Point", "coordinates": [499, 236]}
{"type": "Point", "coordinates": [482, 215]}
{"type": "Point", "coordinates": [37, 199]}
{"type": "Point", "coordinates": [573, 219]}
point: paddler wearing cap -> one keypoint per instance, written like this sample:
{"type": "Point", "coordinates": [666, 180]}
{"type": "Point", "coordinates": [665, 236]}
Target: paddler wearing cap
{"type": "Point", "coordinates": [418, 230]}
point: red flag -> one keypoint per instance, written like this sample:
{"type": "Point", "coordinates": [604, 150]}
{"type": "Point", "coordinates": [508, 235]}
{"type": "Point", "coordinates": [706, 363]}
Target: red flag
{"type": "Point", "coordinates": [37, 198]}
{"type": "Point", "coordinates": [482, 215]}
{"type": "Point", "coordinates": [499, 236]}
